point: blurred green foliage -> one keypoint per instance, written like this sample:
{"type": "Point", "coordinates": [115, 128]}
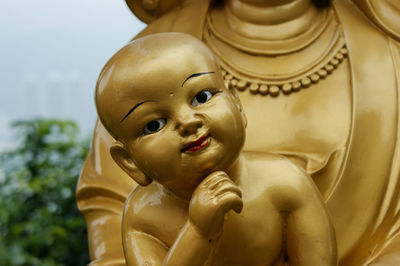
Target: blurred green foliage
{"type": "Point", "coordinates": [39, 221]}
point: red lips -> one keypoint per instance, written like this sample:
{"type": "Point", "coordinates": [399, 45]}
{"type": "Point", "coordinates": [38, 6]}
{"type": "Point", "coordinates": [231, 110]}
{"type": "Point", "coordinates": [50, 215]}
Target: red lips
{"type": "Point", "coordinates": [196, 145]}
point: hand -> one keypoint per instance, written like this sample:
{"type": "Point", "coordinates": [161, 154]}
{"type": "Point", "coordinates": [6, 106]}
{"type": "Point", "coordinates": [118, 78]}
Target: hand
{"type": "Point", "coordinates": [213, 197]}
{"type": "Point", "coordinates": [150, 5]}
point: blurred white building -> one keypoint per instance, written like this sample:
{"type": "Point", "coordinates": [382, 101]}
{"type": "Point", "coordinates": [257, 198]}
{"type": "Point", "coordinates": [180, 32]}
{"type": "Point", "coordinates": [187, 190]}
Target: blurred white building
{"type": "Point", "coordinates": [51, 53]}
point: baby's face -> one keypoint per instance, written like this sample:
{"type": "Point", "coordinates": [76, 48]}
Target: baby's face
{"type": "Point", "coordinates": [181, 123]}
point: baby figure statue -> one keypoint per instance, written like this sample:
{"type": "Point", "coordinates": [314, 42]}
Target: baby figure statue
{"type": "Point", "coordinates": [201, 200]}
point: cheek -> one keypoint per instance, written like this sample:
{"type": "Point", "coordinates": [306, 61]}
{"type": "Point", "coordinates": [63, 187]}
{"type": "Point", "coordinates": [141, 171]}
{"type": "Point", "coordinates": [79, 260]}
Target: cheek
{"type": "Point", "coordinates": [155, 155]}
{"type": "Point", "coordinates": [229, 133]}
{"type": "Point", "coordinates": [228, 121]}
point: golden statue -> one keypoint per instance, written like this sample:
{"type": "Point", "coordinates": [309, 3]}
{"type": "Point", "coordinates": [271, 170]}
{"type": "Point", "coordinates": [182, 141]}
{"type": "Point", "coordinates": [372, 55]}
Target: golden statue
{"type": "Point", "coordinates": [163, 99]}
{"type": "Point", "coordinates": [319, 82]}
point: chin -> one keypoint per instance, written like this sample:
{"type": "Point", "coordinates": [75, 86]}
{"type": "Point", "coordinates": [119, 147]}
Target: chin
{"type": "Point", "coordinates": [218, 156]}
{"type": "Point", "coordinates": [222, 161]}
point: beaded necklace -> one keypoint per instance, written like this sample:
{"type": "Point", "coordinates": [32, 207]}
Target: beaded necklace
{"type": "Point", "coordinates": [273, 85]}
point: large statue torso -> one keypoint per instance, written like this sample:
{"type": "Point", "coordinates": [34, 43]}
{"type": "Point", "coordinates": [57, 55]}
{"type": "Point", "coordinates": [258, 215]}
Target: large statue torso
{"type": "Point", "coordinates": [310, 125]}
{"type": "Point", "coordinates": [342, 130]}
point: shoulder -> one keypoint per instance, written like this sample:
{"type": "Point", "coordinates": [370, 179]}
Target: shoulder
{"type": "Point", "coordinates": [147, 207]}
{"type": "Point", "coordinates": [140, 206]}
{"type": "Point", "coordinates": [384, 14]}
{"type": "Point", "coordinates": [143, 201]}
{"type": "Point", "coordinates": [272, 164]}
{"type": "Point", "coordinates": [287, 185]}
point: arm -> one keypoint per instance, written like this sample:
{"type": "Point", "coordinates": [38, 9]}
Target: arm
{"type": "Point", "coordinates": [190, 248]}
{"type": "Point", "coordinates": [310, 237]}
{"type": "Point", "coordinates": [385, 14]}
{"type": "Point", "coordinates": [101, 193]}
{"type": "Point", "coordinates": [213, 197]}
{"type": "Point", "coordinates": [200, 248]}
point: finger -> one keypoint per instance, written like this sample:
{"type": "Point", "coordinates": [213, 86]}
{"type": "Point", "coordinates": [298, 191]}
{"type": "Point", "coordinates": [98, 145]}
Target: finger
{"type": "Point", "coordinates": [227, 188]}
{"type": "Point", "coordinates": [230, 201]}
{"type": "Point", "coordinates": [218, 182]}
{"type": "Point", "coordinates": [213, 176]}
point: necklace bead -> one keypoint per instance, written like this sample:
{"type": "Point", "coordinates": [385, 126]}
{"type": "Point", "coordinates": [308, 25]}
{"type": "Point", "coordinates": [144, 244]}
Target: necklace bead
{"type": "Point", "coordinates": [263, 89]}
{"type": "Point", "coordinates": [287, 88]}
{"type": "Point", "coordinates": [274, 90]}
{"type": "Point", "coordinates": [266, 87]}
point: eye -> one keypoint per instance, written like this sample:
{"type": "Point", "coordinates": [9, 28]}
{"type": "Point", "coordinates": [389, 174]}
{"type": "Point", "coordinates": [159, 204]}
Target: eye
{"type": "Point", "coordinates": [154, 126]}
{"type": "Point", "coordinates": [201, 97]}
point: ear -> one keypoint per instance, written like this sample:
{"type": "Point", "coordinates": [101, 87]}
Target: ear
{"type": "Point", "coordinates": [124, 160]}
{"type": "Point", "coordinates": [236, 98]}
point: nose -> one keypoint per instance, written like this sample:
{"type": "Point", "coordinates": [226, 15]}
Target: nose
{"type": "Point", "coordinates": [188, 123]}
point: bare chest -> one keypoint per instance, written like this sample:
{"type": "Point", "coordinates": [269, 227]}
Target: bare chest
{"type": "Point", "coordinates": [253, 237]}
{"type": "Point", "coordinates": [313, 122]}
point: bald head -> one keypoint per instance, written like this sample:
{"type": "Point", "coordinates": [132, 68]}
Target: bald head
{"type": "Point", "coordinates": [156, 60]}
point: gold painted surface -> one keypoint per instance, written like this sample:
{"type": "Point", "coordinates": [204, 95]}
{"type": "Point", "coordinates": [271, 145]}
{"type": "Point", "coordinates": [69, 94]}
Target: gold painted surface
{"type": "Point", "coordinates": [385, 13]}
{"type": "Point", "coordinates": [342, 130]}
{"type": "Point", "coordinates": [185, 133]}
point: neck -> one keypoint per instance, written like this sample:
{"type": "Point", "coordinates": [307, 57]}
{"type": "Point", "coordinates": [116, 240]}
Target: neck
{"type": "Point", "coordinates": [263, 18]}
{"type": "Point", "coordinates": [234, 172]}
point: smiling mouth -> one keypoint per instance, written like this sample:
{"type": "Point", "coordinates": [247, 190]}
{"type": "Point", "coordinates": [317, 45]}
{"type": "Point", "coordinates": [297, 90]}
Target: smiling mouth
{"type": "Point", "coordinates": [197, 145]}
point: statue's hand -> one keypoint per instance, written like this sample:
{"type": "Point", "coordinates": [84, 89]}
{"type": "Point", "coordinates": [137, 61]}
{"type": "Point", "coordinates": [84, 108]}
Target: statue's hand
{"type": "Point", "coordinates": [150, 5]}
{"type": "Point", "coordinates": [214, 196]}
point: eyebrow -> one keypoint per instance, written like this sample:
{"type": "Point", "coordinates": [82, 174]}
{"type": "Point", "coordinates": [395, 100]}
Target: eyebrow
{"type": "Point", "coordinates": [133, 109]}
{"type": "Point", "coordinates": [196, 75]}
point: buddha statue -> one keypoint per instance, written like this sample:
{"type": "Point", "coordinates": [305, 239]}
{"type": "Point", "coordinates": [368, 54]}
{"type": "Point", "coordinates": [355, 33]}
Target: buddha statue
{"type": "Point", "coordinates": [319, 83]}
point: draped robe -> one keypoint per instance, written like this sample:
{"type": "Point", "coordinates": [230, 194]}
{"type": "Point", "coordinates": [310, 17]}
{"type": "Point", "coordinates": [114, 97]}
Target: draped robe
{"type": "Point", "coordinates": [364, 201]}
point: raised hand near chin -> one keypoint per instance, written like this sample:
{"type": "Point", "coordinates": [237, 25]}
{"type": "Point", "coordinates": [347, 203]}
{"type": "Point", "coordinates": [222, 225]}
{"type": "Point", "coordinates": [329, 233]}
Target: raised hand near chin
{"type": "Point", "coordinates": [216, 195]}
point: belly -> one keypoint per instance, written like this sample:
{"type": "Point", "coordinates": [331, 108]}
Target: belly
{"type": "Point", "coordinates": [250, 238]}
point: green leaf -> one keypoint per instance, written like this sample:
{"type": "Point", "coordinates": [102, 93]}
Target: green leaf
{"type": "Point", "coordinates": [39, 221]}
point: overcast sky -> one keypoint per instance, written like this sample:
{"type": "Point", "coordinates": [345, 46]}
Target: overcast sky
{"type": "Point", "coordinates": [51, 52]}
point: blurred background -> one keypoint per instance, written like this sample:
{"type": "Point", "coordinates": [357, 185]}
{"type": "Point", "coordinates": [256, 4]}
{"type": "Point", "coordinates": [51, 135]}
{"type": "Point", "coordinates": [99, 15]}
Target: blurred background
{"type": "Point", "coordinates": [51, 52]}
